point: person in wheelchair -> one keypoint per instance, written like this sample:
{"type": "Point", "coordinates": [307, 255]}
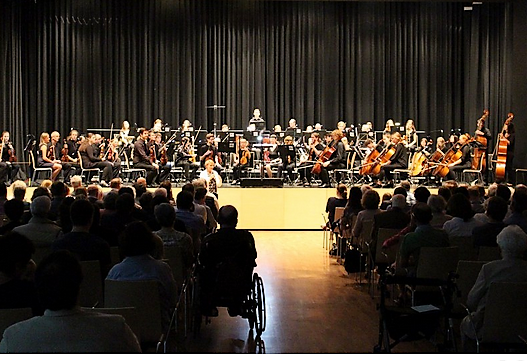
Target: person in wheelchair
{"type": "Point", "coordinates": [226, 260]}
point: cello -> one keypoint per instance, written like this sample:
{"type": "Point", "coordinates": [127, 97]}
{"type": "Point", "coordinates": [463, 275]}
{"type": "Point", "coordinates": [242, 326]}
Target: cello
{"type": "Point", "coordinates": [503, 142]}
{"type": "Point", "coordinates": [452, 155]}
{"type": "Point", "coordinates": [324, 157]}
{"type": "Point", "coordinates": [373, 165]}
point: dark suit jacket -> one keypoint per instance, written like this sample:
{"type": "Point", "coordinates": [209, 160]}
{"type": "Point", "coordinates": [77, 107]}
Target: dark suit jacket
{"type": "Point", "coordinates": [89, 158]}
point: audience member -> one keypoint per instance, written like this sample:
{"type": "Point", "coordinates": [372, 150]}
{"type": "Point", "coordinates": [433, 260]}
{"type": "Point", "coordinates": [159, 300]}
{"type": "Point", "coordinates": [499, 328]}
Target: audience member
{"type": "Point", "coordinates": [14, 210]}
{"type": "Point", "coordinates": [444, 192]}
{"type": "Point", "coordinates": [386, 201]}
{"type": "Point", "coordinates": [476, 201]}
{"type": "Point", "coordinates": [518, 206]}
{"type": "Point", "coordinates": [421, 194]}
{"type": "Point", "coordinates": [424, 236]}
{"type": "Point", "coordinates": [333, 202]}
{"type": "Point", "coordinates": [486, 234]}
{"type": "Point", "coordinates": [3, 198]}
{"type": "Point", "coordinates": [17, 289]}
{"type": "Point", "coordinates": [194, 224]}
{"type": "Point", "coordinates": [211, 199]}
{"type": "Point", "coordinates": [64, 327]}
{"type": "Point", "coordinates": [59, 191]}
{"type": "Point", "coordinates": [370, 203]}
{"type": "Point", "coordinates": [80, 193]}
{"type": "Point", "coordinates": [199, 200]}
{"type": "Point", "coordinates": [40, 230]}
{"type": "Point", "coordinates": [462, 222]}
{"type": "Point", "coordinates": [95, 196]}
{"type": "Point", "coordinates": [86, 246]}
{"type": "Point", "coordinates": [137, 242]}
{"type": "Point", "coordinates": [232, 252]}
{"type": "Point", "coordinates": [410, 197]}
{"type": "Point", "coordinates": [124, 206]}
{"type": "Point", "coordinates": [438, 205]}
{"type": "Point", "coordinates": [512, 242]}
{"type": "Point", "coordinates": [76, 182]}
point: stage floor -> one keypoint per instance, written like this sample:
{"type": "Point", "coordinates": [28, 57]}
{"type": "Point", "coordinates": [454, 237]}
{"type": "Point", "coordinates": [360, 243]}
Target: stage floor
{"type": "Point", "coordinates": [288, 208]}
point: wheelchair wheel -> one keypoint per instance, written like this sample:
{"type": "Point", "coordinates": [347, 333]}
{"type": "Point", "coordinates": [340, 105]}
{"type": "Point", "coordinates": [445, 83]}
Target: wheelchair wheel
{"type": "Point", "coordinates": [258, 297]}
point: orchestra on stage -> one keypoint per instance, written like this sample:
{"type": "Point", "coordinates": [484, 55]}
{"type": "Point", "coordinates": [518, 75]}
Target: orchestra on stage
{"type": "Point", "coordinates": [311, 157]}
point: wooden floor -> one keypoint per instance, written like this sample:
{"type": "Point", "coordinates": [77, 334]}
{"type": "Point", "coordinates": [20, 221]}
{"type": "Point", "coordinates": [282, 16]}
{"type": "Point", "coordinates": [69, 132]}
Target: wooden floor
{"type": "Point", "coordinates": [313, 305]}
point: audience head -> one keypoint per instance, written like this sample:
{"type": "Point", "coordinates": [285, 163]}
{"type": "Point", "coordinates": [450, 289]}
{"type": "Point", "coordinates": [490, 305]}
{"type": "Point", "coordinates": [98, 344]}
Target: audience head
{"type": "Point", "coordinates": [76, 181]}
{"type": "Point", "coordinates": [116, 183]}
{"type": "Point", "coordinates": [136, 239]}
{"type": "Point", "coordinates": [370, 200]}
{"type": "Point", "coordinates": [141, 181]}
{"type": "Point", "coordinates": [228, 217]}
{"type": "Point", "coordinates": [19, 189]}
{"type": "Point", "coordinates": [512, 241]}
{"type": "Point", "coordinates": [342, 191]}
{"type": "Point", "coordinates": [160, 200]}
{"type": "Point", "coordinates": [46, 183]}
{"type": "Point", "coordinates": [64, 214]}
{"type": "Point", "coordinates": [406, 185]}
{"type": "Point", "coordinates": [199, 182]}
{"type": "Point", "coordinates": [473, 193]}
{"type": "Point", "coordinates": [422, 213]}
{"type": "Point", "coordinates": [188, 188]}
{"type": "Point", "coordinates": [398, 201]}
{"type": "Point", "coordinates": [436, 203]}
{"type": "Point", "coordinates": [40, 206]}
{"type": "Point", "coordinates": [168, 187]}
{"type": "Point", "coordinates": [139, 189]}
{"type": "Point", "coordinates": [161, 192]}
{"type": "Point", "coordinates": [58, 189]}
{"type": "Point", "coordinates": [57, 279]}
{"type": "Point", "coordinates": [364, 188]}
{"type": "Point", "coordinates": [40, 191]}
{"type": "Point", "coordinates": [127, 190]}
{"type": "Point", "coordinates": [95, 191]}
{"type": "Point", "coordinates": [81, 213]}
{"type": "Point", "coordinates": [125, 203]}
{"type": "Point", "coordinates": [461, 190]}
{"type": "Point", "coordinates": [185, 201]}
{"type": "Point", "coordinates": [146, 201]}
{"type": "Point", "coordinates": [15, 253]}
{"type": "Point", "coordinates": [355, 197]}
{"type": "Point", "coordinates": [519, 202]}
{"type": "Point", "coordinates": [80, 192]}
{"type": "Point", "coordinates": [200, 194]}
{"type": "Point", "coordinates": [459, 206]}
{"type": "Point", "coordinates": [421, 194]}
{"type": "Point", "coordinates": [444, 192]}
{"type": "Point", "coordinates": [165, 215]}
{"type": "Point", "coordinates": [400, 190]}
{"type": "Point", "coordinates": [497, 208]}
{"type": "Point", "coordinates": [110, 200]}
{"type": "Point", "coordinates": [14, 209]}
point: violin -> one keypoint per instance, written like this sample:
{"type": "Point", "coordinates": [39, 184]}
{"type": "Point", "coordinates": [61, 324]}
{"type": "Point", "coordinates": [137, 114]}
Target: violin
{"type": "Point", "coordinates": [64, 152]}
{"type": "Point", "coordinates": [153, 153]}
{"type": "Point", "coordinates": [501, 162]}
{"type": "Point", "coordinates": [109, 156]}
{"type": "Point", "coordinates": [51, 152]}
{"type": "Point", "coordinates": [324, 157]}
{"type": "Point", "coordinates": [164, 158]}
{"type": "Point", "coordinates": [11, 152]}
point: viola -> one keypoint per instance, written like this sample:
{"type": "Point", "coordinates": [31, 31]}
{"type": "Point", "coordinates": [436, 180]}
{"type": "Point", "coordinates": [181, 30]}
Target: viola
{"type": "Point", "coordinates": [501, 162]}
{"type": "Point", "coordinates": [246, 155]}
{"type": "Point", "coordinates": [324, 157]}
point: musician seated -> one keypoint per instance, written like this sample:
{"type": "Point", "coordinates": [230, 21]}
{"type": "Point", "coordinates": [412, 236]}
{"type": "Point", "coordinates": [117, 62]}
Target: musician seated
{"type": "Point", "coordinates": [184, 158]}
{"type": "Point", "coordinates": [306, 165]}
{"type": "Point", "coordinates": [90, 160]}
{"type": "Point", "coordinates": [465, 162]}
{"type": "Point", "coordinates": [272, 157]}
{"type": "Point", "coordinates": [243, 160]}
{"type": "Point", "coordinates": [8, 170]}
{"type": "Point", "coordinates": [337, 159]}
{"type": "Point", "coordinates": [46, 156]}
{"type": "Point", "coordinates": [161, 158]}
{"type": "Point", "coordinates": [288, 155]}
{"type": "Point", "coordinates": [399, 160]}
{"type": "Point", "coordinates": [210, 151]}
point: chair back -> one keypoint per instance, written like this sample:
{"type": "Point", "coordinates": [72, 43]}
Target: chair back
{"type": "Point", "coordinates": [388, 255]}
{"type": "Point", "coordinates": [80, 160]}
{"type": "Point", "coordinates": [32, 159]}
{"type": "Point", "coordinates": [129, 314]}
{"type": "Point", "coordinates": [505, 313]}
{"type": "Point", "coordinates": [339, 211]}
{"type": "Point", "coordinates": [467, 251]}
{"type": "Point", "coordinates": [174, 258]}
{"type": "Point", "coordinates": [365, 235]}
{"type": "Point", "coordinates": [144, 296]}
{"type": "Point", "coordinates": [90, 293]}
{"type": "Point", "coordinates": [487, 253]}
{"type": "Point", "coordinates": [437, 262]}
{"type": "Point", "coordinates": [346, 227]}
{"type": "Point", "coordinates": [10, 316]}
{"type": "Point", "coordinates": [467, 272]}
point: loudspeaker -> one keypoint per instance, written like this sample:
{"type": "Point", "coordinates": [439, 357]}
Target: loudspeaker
{"type": "Point", "coordinates": [263, 183]}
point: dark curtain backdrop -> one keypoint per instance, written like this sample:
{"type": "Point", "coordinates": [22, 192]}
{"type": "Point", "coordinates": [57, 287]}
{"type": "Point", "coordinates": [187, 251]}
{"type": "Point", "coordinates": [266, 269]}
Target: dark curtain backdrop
{"type": "Point", "coordinates": [92, 63]}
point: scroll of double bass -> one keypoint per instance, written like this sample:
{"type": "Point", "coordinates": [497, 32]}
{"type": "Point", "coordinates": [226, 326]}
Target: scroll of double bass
{"type": "Point", "coordinates": [501, 162]}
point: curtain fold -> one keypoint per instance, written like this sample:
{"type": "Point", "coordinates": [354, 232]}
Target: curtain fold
{"type": "Point", "coordinates": [90, 64]}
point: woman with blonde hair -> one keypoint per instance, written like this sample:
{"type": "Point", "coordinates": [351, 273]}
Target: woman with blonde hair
{"type": "Point", "coordinates": [46, 156]}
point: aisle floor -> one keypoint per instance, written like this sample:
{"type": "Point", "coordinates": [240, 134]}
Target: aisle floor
{"type": "Point", "coordinates": [313, 305]}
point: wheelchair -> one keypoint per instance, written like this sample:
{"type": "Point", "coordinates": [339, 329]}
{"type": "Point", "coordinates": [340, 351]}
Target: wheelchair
{"type": "Point", "coordinates": [239, 290]}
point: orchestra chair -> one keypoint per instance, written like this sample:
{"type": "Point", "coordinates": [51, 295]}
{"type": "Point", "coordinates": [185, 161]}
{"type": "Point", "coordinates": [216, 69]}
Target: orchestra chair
{"type": "Point", "coordinates": [487, 253]}
{"type": "Point", "coordinates": [38, 172]}
{"type": "Point", "coordinates": [365, 243]}
{"type": "Point", "coordinates": [130, 315]}
{"type": "Point", "coordinates": [505, 322]}
{"type": "Point", "coordinates": [87, 174]}
{"type": "Point", "coordinates": [91, 293]}
{"type": "Point", "coordinates": [467, 251]}
{"type": "Point", "coordinates": [173, 256]}
{"type": "Point", "coordinates": [478, 173]}
{"type": "Point", "coordinates": [339, 211]}
{"type": "Point", "coordinates": [129, 174]}
{"type": "Point", "coordinates": [346, 175]}
{"type": "Point", "coordinates": [397, 172]}
{"type": "Point", "coordinates": [434, 263]}
{"type": "Point", "coordinates": [522, 172]}
{"type": "Point", "coordinates": [467, 274]}
{"type": "Point", "coordinates": [144, 296]}
{"type": "Point", "coordinates": [383, 258]}
{"type": "Point", "coordinates": [10, 316]}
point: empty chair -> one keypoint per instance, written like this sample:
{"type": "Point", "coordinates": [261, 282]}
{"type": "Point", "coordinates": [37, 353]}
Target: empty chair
{"type": "Point", "coordinates": [90, 293]}
{"type": "Point", "coordinates": [10, 316]}
{"type": "Point", "coordinates": [144, 296]}
{"type": "Point", "coordinates": [467, 272]}
{"type": "Point", "coordinates": [467, 251]}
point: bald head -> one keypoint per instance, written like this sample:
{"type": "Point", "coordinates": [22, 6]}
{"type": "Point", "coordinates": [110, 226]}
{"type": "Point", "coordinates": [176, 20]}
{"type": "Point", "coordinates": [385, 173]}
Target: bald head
{"type": "Point", "coordinates": [228, 217]}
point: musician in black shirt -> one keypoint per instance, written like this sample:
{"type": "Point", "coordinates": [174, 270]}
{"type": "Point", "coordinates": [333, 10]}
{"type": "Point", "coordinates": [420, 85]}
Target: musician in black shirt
{"type": "Point", "coordinates": [465, 162]}
{"type": "Point", "coordinates": [337, 160]}
{"type": "Point", "coordinates": [288, 155]}
{"type": "Point", "coordinates": [399, 160]}
{"type": "Point", "coordinates": [306, 165]}
{"type": "Point", "coordinates": [259, 123]}
{"type": "Point", "coordinates": [8, 170]}
{"type": "Point", "coordinates": [210, 151]}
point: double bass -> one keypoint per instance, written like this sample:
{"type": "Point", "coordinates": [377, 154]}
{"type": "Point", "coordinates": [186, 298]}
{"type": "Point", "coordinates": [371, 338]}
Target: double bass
{"type": "Point", "coordinates": [501, 162]}
{"type": "Point", "coordinates": [481, 147]}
